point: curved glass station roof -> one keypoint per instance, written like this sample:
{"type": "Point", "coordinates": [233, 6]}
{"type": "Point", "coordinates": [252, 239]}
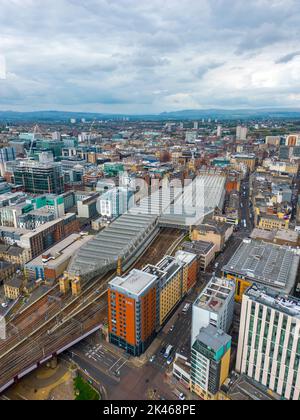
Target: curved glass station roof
{"type": "Point", "coordinates": [121, 239]}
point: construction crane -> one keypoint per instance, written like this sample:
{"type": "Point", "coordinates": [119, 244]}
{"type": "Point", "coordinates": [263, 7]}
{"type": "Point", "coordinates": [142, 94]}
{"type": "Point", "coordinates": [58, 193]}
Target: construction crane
{"type": "Point", "coordinates": [36, 130]}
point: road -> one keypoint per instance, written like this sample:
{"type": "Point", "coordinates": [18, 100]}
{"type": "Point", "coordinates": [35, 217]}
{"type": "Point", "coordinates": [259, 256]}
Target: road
{"type": "Point", "coordinates": [246, 210]}
{"type": "Point", "coordinates": [117, 373]}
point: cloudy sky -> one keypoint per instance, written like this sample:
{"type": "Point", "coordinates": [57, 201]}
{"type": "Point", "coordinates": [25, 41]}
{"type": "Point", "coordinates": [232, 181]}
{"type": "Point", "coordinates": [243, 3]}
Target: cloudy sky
{"type": "Point", "coordinates": [142, 56]}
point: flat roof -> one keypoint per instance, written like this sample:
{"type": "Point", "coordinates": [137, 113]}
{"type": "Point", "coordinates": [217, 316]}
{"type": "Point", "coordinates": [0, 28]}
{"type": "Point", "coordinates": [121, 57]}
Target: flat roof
{"type": "Point", "coordinates": [185, 257]}
{"type": "Point", "coordinates": [198, 247]}
{"type": "Point", "coordinates": [135, 283]}
{"type": "Point", "coordinates": [215, 295]}
{"type": "Point", "coordinates": [213, 338]}
{"type": "Point", "coordinates": [245, 389]}
{"type": "Point", "coordinates": [279, 301]}
{"type": "Point", "coordinates": [61, 251]}
{"type": "Point", "coordinates": [273, 265]}
{"type": "Point", "coordinates": [30, 233]}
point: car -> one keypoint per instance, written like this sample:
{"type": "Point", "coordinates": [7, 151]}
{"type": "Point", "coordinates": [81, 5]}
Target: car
{"type": "Point", "coordinates": [182, 397]}
{"type": "Point", "coordinates": [170, 360]}
{"type": "Point", "coordinates": [172, 328]}
{"type": "Point", "coordinates": [168, 352]}
{"type": "Point", "coordinates": [4, 305]}
{"type": "Point", "coordinates": [163, 350]}
{"type": "Point", "coordinates": [152, 358]}
{"type": "Point", "coordinates": [186, 308]}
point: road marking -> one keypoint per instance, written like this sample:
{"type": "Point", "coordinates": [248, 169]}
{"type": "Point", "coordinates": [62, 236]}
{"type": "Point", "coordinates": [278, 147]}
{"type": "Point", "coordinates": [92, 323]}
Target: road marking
{"type": "Point", "coordinates": [115, 363]}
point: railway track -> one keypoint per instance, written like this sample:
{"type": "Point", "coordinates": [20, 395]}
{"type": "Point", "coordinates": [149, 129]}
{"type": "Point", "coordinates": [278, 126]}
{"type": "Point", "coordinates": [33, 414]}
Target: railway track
{"type": "Point", "coordinates": [52, 325]}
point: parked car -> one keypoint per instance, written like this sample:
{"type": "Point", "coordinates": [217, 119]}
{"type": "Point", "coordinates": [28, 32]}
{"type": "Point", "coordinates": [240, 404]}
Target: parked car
{"type": "Point", "coordinates": [163, 350]}
{"type": "Point", "coordinates": [170, 360]}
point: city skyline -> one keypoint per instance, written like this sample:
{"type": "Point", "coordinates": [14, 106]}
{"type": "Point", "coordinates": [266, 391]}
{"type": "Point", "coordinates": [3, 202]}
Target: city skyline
{"type": "Point", "coordinates": [139, 58]}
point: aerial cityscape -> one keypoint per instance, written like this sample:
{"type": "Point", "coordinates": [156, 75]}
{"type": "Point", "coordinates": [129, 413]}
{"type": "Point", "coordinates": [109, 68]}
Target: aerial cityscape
{"type": "Point", "coordinates": [150, 202]}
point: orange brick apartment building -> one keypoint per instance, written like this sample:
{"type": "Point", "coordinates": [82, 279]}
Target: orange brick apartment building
{"type": "Point", "coordinates": [133, 311]}
{"type": "Point", "coordinates": [142, 301]}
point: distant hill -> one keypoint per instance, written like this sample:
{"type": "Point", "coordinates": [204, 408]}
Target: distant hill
{"type": "Point", "coordinates": [220, 114]}
{"type": "Point", "coordinates": [233, 113]}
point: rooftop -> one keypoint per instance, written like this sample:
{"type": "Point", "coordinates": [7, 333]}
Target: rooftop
{"type": "Point", "coordinates": [242, 388]}
{"type": "Point", "coordinates": [213, 338]}
{"type": "Point", "coordinates": [215, 295]}
{"type": "Point", "coordinates": [269, 264]}
{"type": "Point", "coordinates": [120, 239]}
{"type": "Point", "coordinates": [185, 257]}
{"type": "Point", "coordinates": [14, 282]}
{"type": "Point", "coordinates": [135, 283]}
{"type": "Point", "coordinates": [61, 251]}
{"type": "Point", "coordinates": [198, 247]}
{"type": "Point", "coordinates": [287, 235]}
{"type": "Point", "coordinates": [282, 303]}
{"type": "Point", "coordinates": [214, 226]}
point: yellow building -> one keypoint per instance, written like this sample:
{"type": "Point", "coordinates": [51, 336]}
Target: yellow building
{"type": "Point", "coordinates": [213, 232]}
{"type": "Point", "coordinates": [13, 288]}
{"type": "Point", "coordinates": [171, 286]}
{"type": "Point", "coordinates": [210, 362]}
{"type": "Point", "coordinates": [64, 285]}
{"type": "Point", "coordinates": [248, 160]}
{"type": "Point", "coordinates": [272, 223]}
{"type": "Point", "coordinates": [6, 271]}
{"type": "Point", "coordinates": [76, 287]}
{"type": "Point", "coordinates": [15, 254]}
{"type": "Point", "coordinates": [241, 286]}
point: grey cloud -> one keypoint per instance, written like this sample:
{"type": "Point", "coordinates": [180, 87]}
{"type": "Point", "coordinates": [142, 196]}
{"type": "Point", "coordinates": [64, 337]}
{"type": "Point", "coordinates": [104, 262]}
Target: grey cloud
{"type": "Point", "coordinates": [287, 58]}
{"type": "Point", "coordinates": [116, 55]}
{"type": "Point", "coordinates": [205, 68]}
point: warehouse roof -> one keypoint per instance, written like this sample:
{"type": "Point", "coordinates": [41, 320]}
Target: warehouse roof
{"type": "Point", "coordinates": [273, 265]}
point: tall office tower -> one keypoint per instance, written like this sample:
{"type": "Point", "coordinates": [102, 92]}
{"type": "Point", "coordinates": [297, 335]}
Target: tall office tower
{"type": "Point", "coordinates": [214, 306]}
{"type": "Point", "coordinates": [210, 362]}
{"type": "Point", "coordinates": [56, 136]}
{"type": "Point", "coordinates": [241, 132]}
{"type": "Point", "coordinates": [293, 140]}
{"type": "Point", "coordinates": [190, 136]}
{"type": "Point", "coordinates": [196, 125]}
{"type": "Point", "coordinates": [39, 178]}
{"type": "Point", "coordinates": [269, 341]}
{"type": "Point", "coordinates": [7, 154]}
{"type": "Point", "coordinates": [219, 131]}
{"type": "Point", "coordinates": [133, 311]}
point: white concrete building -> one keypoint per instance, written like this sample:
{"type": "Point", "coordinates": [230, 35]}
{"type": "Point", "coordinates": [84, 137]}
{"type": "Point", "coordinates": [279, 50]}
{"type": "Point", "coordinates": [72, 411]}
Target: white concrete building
{"type": "Point", "coordinates": [241, 132]}
{"type": "Point", "coordinates": [214, 306]}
